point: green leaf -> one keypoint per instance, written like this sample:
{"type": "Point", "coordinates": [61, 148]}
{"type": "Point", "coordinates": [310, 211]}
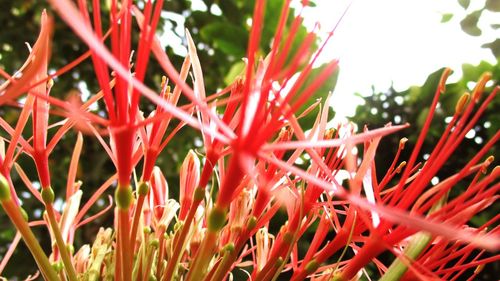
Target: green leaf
{"type": "Point", "coordinates": [464, 3]}
{"type": "Point", "coordinates": [446, 17]}
{"type": "Point", "coordinates": [424, 93]}
{"type": "Point", "coordinates": [494, 46]}
{"type": "Point", "coordinates": [473, 72]}
{"type": "Point", "coordinates": [469, 23]}
{"type": "Point", "coordinates": [236, 70]}
{"type": "Point", "coordinates": [229, 38]}
{"type": "Point", "coordinates": [492, 5]}
{"type": "Point", "coordinates": [422, 116]}
{"type": "Point", "coordinates": [321, 93]}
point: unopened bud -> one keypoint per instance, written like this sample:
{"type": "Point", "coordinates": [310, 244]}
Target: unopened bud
{"type": "Point", "coordinates": [251, 223]}
{"type": "Point", "coordinates": [462, 102]}
{"type": "Point", "coordinates": [123, 197]}
{"type": "Point", "coordinates": [228, 248]}
{"type": "Point", "coordinates": [155, 243]}
{"type": "Point", "coordinates": [48, 195]}
{"type": "Point", "coordinates": [199, 194]}
{"type": "Point", "coordinates": [279, 261]}
{"type": "Point", "coordinates": [216, 219]}
{"type": "Point", "coordinates": [143, 189]}
{"type": "Point", "coordinates": [58, 266]}
{"type": "Point", "coordinates": [71, 248]}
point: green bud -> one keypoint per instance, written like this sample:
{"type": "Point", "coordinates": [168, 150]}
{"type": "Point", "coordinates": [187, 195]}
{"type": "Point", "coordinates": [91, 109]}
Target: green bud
{"type": "Point", "coordinates": [58, 266]}
{"type": "Point", "coordinates": [228, 248]}
{"type": "Point", "coordinates": [4, 189]}
{"type": "Point", "coordinates": [146, 230]}
{"type": "Point", "coordinates": [312, 266]}
{"type": "Point", "coordinates": [123, 197]}
{"type": "Point", "coordinates": [152, 278]}
{"type": "Point", "coordinates": [337, 277]}
{"type": "Point", "coordinates": [143, 189]}
{"type": "Point", "coordinates": [279, 261]}
{"type": "Point", "coordinates": [251, 223]}
{"type": "Point", "coordinates": [199, 194]}
{"type": "Point", "coordinates": [48, 195]}
{"type": "Point", "coordinates": [71, 249]}
{"type": "Point", "coordinates": [154, 243]}
{"type": "Point", "coordinates": [216, 219]}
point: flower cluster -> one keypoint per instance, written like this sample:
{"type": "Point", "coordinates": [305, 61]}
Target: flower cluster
{"type": "Point", "coordinates": [247, 173]}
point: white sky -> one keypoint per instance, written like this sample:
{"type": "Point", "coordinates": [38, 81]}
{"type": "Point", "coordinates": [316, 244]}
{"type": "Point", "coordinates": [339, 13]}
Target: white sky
{"type": "Point", "coordinates": [380, 42]}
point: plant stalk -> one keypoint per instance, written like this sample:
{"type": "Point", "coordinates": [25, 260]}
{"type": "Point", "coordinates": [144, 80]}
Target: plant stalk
{"type": "Point", "coordinates": [22, 226]}
{"type": "Point", "coordinates": [63, 249]}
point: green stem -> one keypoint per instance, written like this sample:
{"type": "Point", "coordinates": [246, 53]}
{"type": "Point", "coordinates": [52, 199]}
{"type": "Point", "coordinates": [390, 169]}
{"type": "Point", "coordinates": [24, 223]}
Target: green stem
{"type": "Point", "coordinates": [142, 191]}
{"type": "Point", "coordinates": [123, 198]}
{"type": "Point", "coordinates": [123, 231]}
{"type": "Point", "coordinates": [203, 256]}
{"type": "Point", "coordinates": [398, 268]}
{"type": "Point", "coordinates": [179, 241]}
{"type": "Point", "coordinates": [22, 226]}
{"type": "Point", "coordinates": [63, 249]}
{"type": "Point", "coordinates": [227, 261]}
{"type": "Point", "coordinates": [415, 247]}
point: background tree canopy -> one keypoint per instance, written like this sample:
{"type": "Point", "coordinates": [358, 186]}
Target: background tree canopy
{"type": "Point", "coordinates": [220, 29]}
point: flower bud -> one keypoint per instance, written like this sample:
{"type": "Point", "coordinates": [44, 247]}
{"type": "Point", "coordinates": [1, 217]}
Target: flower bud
{"type": "Point", "coordinates": [123, 197]}
{"type": "Point", "coordinates": [216, 219]}
{"type": "Point", "coordinates": [48, 195]}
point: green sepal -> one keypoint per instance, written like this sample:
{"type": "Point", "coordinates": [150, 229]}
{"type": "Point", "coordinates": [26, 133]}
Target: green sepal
{"type": "Point", "coordinates": [251, 223]}
{"type": "Point", "coordinates": [123, 197]}
{"type": "Point", "coordinates": [143, 189]}
{"type": "Point", "coordinates": [199, 194]}
{"type": "Point", "coordinates": [48, 195]}
{"type": "Point", "coordinates": [229, 247]}
{"type": "Point", "coordinates": [216, 219]}
{"type": "Point", "coordinates": [58, 266]}
{"type": "Point", "coordinates": [155, 243]}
